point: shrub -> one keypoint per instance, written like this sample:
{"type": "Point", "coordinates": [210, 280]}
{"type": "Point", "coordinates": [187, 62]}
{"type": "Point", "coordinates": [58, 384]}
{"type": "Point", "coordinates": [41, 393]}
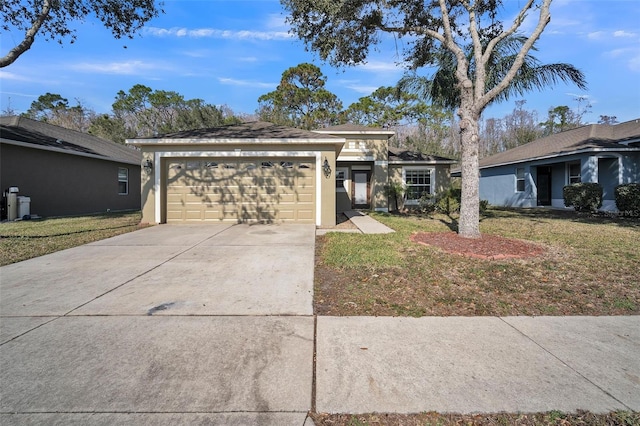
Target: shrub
{"type": "Point", "coordinates": [583, 196]}
{"type": "Point", "coordinates": [394, 191]}
{"type": "Point", "coordinates": [484, 205]}
{"type": "Point", "coordinates": [447, 202]}
{"type": "Point", "coordinates": [628, 199]}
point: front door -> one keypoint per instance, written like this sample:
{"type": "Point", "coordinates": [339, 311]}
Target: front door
{"type": "Point", "coordinates": [544, 186]}
{"type": "Point", "coordinates": [360, 189]}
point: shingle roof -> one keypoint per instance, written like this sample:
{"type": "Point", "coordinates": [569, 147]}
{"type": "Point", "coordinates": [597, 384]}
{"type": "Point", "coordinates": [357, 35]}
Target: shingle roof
{"type": "Point", "coordinates": [41, 134]}
{"type": "Point", "coordinates": [399, 154]}
{"type": "Point", "coordinates": [250, 130]}
{"type": "Point", "coordinates": [594, 136]}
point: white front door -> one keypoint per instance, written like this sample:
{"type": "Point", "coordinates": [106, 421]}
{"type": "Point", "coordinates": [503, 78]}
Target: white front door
{"type": "Point", "coordinates": [360, 188]}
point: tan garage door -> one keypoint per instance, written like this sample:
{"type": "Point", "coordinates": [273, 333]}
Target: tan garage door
{"type": "Point", "coordinates": [246, 190]}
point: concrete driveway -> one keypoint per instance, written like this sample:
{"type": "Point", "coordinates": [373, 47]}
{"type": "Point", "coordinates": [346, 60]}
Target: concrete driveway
{"type": "Point", "coordinates": [170, 324]}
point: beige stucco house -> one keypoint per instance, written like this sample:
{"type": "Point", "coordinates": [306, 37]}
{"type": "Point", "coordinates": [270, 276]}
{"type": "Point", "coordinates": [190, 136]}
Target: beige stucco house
{"type": "Point", "coordinates": [260, 171]}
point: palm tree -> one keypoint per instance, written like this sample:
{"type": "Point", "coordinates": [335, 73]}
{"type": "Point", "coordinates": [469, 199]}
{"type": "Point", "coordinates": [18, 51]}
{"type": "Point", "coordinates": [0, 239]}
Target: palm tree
{"type": "Point", "coordinates": [441, 88]}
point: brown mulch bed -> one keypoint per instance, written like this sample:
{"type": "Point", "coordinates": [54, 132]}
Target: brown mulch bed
{"type": "Point", "coordinates": [490, 247]}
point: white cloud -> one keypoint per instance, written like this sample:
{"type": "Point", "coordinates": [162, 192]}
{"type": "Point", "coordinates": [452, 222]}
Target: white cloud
{"type": "Point", "coordinates": [120, 68]}
{"type": "Point", "coordinates": [276, 21]}
{"type": "Point", "coordinates": [365, 90]}
{"type": "Point", "coordinates": [5, 75]}
{"type": "Point", "coordinates": [622, 33]}
{"type": "Point", "coordinates": [630, 55]}
{"type": "Point", "coordinates": [246, 83]}
{"type": "Point", "coordinates": [381, 66]}
{"type": "Point", "coordinates": [217, 33]}
{"type": "Point", "coordinates": [596, 35]}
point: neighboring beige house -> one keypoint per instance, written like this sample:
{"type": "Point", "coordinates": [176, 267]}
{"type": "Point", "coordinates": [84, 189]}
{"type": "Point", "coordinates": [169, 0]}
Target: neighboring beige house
{"type": "Point", "coordinates": [264, 172]}
{"type": "Point", "coordinates": [64, 172]}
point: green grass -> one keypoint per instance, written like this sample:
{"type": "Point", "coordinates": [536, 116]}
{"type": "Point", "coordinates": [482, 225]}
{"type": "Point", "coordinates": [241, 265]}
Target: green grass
{"type": "Point", "coordinates": [22, 240]}
{"type": "Point", "coordinates": [589, 268]}
{"type": "Point", "coordinates": [554, 418]}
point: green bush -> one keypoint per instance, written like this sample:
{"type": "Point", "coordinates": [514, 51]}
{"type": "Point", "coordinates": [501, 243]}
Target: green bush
{"type": "Point", "coordinates": [628, 199]}
{"type": "Point", "coordinates": [446, 202]}
{"type": "Point", "coordinates": [583, 196]}
{"type": "Point", "coordinates": [484, 205]}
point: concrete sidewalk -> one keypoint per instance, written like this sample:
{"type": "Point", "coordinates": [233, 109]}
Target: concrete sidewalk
{"type": "Point", "coordinates": [214, 324]}
{"type": "Point", "coordinates": [477, 364]}
{"type": "Point", "coordinates": [364, 223]}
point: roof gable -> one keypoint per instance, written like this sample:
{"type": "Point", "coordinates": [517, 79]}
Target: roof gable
{"type": "Point", "coordinates": [404, 155]}
{"type": "Point", "coordinates": [355, 129]}
{"type": "Point", "coordinates": [591, 137]}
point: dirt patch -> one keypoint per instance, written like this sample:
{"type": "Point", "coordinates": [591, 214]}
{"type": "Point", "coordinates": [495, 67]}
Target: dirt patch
{"type": "Point", "coordinates": [490, 247]}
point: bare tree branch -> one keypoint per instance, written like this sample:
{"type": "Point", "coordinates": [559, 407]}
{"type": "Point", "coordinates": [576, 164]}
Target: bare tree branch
{"type": "Point", "coordinates": [29, 37]}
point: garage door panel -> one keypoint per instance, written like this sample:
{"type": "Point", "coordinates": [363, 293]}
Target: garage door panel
{"type": "Point", "coordinates": [241, 190]}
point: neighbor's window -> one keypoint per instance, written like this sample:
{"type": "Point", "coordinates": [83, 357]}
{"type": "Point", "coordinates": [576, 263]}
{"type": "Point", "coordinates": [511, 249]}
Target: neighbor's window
{"type": "Point", "coordinates": [341, 176]}
{"type": "Point", "coordinates": [123, 181]}
{"type": "Point", "coordinates": [417, 183]}
{"type": "Point", "coordinates": [519, 179]}
{"type": "Point", "coordinates": [574, 173]}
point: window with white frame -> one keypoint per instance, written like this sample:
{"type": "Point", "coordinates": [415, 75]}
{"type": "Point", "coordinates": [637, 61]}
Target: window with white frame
{"type": "Point", "coordinates": [123, 181]}
{"type": "Point", "coordinates": [519, 179]}
{"type": "Point", "coordinates": [341, 178]}
{"type": "Point", "coordinates": [574, 172]}
{"type": "Point", "coordinates": [417, 184]}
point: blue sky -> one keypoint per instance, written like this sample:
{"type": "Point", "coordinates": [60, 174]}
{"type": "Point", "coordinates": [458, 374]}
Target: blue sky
{"type": "Point", "coordinates": [232, 51]}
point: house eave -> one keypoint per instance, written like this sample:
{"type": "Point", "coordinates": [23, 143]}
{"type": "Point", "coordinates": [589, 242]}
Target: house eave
{"type": "Point", "coordinates": [561, 154]}
{"type": "Point", "coordinates": [388, 133]}
{"type": "Point", "coordinates": [232, 141]}
{"type": "Point", "coordinates": [68, 152]}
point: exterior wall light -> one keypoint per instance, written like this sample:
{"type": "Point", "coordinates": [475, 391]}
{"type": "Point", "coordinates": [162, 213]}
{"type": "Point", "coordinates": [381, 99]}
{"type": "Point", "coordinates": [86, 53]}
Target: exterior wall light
{"type": "Point", "coordinates": [326, 168]}
{"type": "Point", "coordinates": [148, 166]}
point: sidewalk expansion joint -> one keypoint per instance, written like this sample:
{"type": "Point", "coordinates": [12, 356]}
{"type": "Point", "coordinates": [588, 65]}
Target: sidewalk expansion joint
{"type": "Point", "coordinates": [566, 364]}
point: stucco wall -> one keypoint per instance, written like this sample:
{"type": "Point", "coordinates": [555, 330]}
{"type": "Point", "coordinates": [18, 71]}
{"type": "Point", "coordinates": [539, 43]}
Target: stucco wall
{"type": "Point", "coordinates": [153, 185]}
{"type": "Point", "coordinates": [62, 184]}
{"type": "Point", "coordinates": [498, 186]}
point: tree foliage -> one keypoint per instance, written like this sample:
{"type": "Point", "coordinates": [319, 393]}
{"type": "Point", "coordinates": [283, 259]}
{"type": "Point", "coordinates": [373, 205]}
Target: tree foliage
{"type": "Point", "coordinates": [300, 100]}
{"type": "Point", "coordinates": [517, 128]}
{"type": "Point", "coordinates": [140, 112]}
{"type": "Point", "coordinates": [441, 87]}
{"type": "Point", "coordinates": [344, 31]}
{"type": "Point", "coordinates": [145, 112]}
{"type": "Point", "coordinates": [54, 109]}
{"type": "Point", "coordinates": [561, 118]}
{"type": "Point", "coordinates": [51, 19]}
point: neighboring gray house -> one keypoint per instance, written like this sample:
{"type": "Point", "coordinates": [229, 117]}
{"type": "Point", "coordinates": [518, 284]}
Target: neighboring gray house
{"type": "Point", "coordinates": [534, 174]}
{"type": "Point", "coordinates": [65, 172]}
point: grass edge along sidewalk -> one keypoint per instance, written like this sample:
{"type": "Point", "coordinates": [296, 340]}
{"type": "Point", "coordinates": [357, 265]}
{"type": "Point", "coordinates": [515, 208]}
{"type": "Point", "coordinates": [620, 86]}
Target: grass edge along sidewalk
{"type": "Point", "coordinates": [26, 239]}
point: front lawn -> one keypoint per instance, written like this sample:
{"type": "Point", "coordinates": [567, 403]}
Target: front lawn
{"type": "Point", "coordinates": [590, 267]}
{"type": "Point", "coordinates": [25, 239]}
